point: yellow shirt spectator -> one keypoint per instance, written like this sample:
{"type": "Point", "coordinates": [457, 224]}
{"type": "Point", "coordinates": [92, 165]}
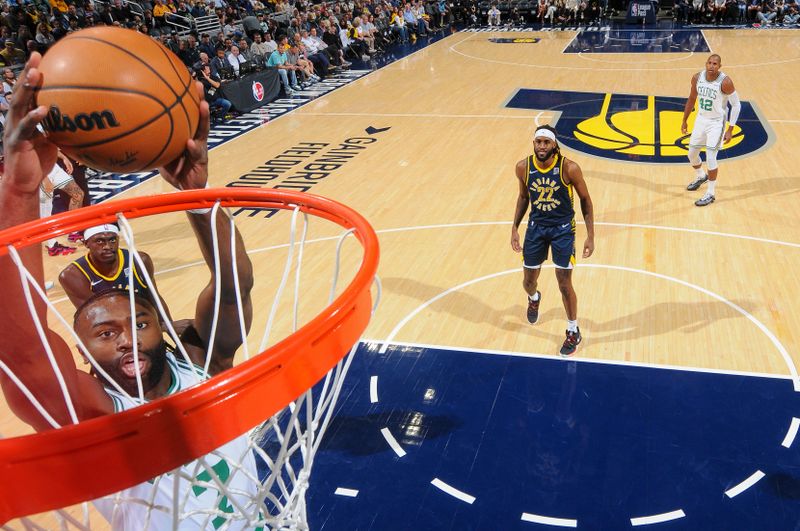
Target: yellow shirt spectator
{"type": "Point", "coordinates": [61, 5]}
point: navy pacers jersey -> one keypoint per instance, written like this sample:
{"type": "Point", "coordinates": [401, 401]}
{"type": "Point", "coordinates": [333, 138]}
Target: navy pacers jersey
{"type": "Point", "coordinates": [100, 283]}
{"type": "Point", "coordinates": [551, 199]}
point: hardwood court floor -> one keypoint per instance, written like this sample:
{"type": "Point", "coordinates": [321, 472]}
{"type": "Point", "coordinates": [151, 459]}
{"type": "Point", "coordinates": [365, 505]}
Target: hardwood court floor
{"type": "Point", "coordinates": [669, 283]}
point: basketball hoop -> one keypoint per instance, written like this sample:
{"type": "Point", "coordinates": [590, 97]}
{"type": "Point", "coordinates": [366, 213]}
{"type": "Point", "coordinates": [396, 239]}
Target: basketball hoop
{"type": "Point", "coordinates": [48, 471]}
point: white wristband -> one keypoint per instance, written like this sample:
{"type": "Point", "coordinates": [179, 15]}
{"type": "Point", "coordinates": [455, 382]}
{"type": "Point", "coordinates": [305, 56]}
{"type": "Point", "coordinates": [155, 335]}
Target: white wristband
{"type": "Point", "coordinates": [200, 211]}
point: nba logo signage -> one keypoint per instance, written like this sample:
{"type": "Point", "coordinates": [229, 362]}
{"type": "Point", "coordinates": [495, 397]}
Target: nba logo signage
{"type": "Point", "coordinates": [635, 128]}
{"type": "Point", "coordinates": [258, 90]}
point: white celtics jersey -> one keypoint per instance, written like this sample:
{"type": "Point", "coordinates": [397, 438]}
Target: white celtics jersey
{"type": "Point", "coordinates": [712, 103]}
{"type": "Point", "coordinates": [148, 506]}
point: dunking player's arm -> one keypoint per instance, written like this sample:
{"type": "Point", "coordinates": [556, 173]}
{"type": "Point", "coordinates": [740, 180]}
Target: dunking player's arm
{"type": "Point", "coordinates": [104, 325]}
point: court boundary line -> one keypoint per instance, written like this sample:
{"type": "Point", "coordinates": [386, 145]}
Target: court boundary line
{"type": "Point", "coordinates": [452, 491]}
{"type": "Point", "coordinates": [787, 359]}
{"type": "Point", "coordinates": [553, 357]}
{"type": "Point", "coordinates": [754, 478]}
{"type": "Point", "coordinates": [562, 67]}
{"type": "Point", "coordinates": [658, 518]}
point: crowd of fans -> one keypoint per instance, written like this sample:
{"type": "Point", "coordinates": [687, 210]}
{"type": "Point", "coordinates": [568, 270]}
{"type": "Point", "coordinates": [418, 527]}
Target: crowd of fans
{"type": "Point", "coordinates": [764, 12]}
{"type": "Point", "coordinates": [302, 40]}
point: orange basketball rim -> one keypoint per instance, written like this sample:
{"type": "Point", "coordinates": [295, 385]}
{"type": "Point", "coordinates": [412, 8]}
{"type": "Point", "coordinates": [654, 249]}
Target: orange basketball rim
{"type": "Point", "coordinates": [97, 457]}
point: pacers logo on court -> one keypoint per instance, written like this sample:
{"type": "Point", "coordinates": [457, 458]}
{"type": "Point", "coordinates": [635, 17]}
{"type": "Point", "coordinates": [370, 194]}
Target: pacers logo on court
{"type": "Point", "coordinates": [518, 40]}
{"type": "Point", "coordinates": [632, 127]}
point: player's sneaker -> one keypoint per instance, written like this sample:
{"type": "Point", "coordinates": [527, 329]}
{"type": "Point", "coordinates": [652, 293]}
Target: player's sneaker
{"type": "Point", "coordinates": [697, 183]}
{"type": "Point", "coordinates": [58, 249]}
{"type": "Point", "coordinates": [533, 309]}
{"type": "Point", "coordinates": [705, 200]}
{"type": "Point", "coordinates": [75, 237]}
{"type": "Point", "coordinates": [571, 343]}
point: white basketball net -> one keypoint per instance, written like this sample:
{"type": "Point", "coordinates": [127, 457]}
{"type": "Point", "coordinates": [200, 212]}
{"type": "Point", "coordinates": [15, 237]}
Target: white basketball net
{"type": "Point", "coordinates": [257, 481]}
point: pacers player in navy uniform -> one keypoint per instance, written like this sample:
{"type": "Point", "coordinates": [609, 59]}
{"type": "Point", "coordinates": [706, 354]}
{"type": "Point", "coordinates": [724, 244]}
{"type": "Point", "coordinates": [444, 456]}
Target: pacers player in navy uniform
{"type": "Point", "coordinates": [548, 182]}
{"type": "Point", "coordinates": [105, 267]}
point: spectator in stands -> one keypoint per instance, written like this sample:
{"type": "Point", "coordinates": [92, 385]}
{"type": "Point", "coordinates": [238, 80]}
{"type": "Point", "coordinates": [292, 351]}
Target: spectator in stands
{"type": "Point", "coordinates": [767, 12]}
{"type": "Point", "coordinates": [494, 16]}
{"type": "Point", "coordinates": [698, 8]}
{"type": "Point", "coordinates": [368, 31]}
{"type": "Point", "coordinates": [271, 44]}
{"type": "Point", "coordinates": [9, 80]}
{"type": "Point", "coordinates": [160, 10]}
{"type": "Point", "coordinates": [90, 16]}
{"type": "Point", "coordinates": [43, 35]}
{"type": "Point", "coordinates": [236, 59]}
{"type": "Point", "coordinates": [211, 85]}
{"type": "Point", "coordinates": [357, 42]}
{"type": "Point", "coordinates": [230, 28]}
{"type": "Point", "coordinates": [220, 65]}
{"type": "Point", "coordinates": [331, 38]}
{"type": "Point", "coordinates": [278, 59]}
{"type": "Point", "coordinates": [11, 55]}
{"type": "Point", "coordinates": [792, 16]}
{"type": "Point", "coordinates": [148, 22]}
{"type": "Point", "coordinates": [259, 51]}
{"type": "Point", "coordinates": [304, 70]}
{"type": "Point", "coordinates": [204, 60]}
{"type": "Point", "coordinates": [398, 25]}
{"type": "Point", "coordinates": [318, 57]}
{"type": "Point", "coordinates": [422, 16]}
{"type": "Point", "coordinates": [189, 53]}
{"type": "Point", "coordinates": [415, 26]}
{"type": "Point", "coordinates": [120, 12]}
{"type": "Point", "coordinates": [198, 9]}
{"type": "Point", "coordinates": [206, 46]}
{"type": "Point", "coordinates": [720, 10]}
{"type": "Point", "coordinates": [680, 11]}
{"type": "Point", "coordinates": [244, 49]}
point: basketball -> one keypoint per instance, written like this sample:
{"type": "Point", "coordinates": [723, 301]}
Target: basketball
{"type": "Point", "coordinates": [118, 100]}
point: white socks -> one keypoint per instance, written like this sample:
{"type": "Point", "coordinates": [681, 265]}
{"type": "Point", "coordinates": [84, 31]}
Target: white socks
{"type": "Point", "coordinates": [699, 172]}
{"type": "Point", "coordinates": [534, 297]}
{"type": "Point", "coordinates": [712, 187]}
{"type": "Point", "coordinates": [572, 326]}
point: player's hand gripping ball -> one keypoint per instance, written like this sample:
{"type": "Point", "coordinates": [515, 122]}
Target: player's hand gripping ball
{"type": "Point", "coordinates": [118, 100]}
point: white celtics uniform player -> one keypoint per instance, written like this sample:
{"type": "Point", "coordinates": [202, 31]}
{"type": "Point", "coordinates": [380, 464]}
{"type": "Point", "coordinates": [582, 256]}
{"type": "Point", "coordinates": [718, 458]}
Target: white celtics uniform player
{"type": "Point", "coordinates": [712, 110]}
{"type": "Point", "coordinates": [712, 90]}
{"type": "Point", "coordinates": [148, 506]}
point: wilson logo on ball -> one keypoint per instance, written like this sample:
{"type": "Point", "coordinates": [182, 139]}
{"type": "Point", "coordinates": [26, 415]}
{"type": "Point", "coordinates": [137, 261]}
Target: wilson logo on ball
{"type": "Point", "coordinates": [57, 122]}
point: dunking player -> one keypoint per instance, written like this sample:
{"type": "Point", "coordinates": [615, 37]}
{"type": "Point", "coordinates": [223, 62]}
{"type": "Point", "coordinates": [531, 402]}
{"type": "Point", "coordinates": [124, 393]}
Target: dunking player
{"type": "Point", "coordinates": [547, 181]}
{"type": "Point", "coordinates": [105, 267]}
{"type": "Point", "coordinates": [104, 324]}
{"type": "Point", "coordinates": [714, 90]}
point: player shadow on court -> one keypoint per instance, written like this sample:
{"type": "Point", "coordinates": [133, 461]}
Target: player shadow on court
{"type": "Point", "coordinates": [462, 305]}
{"type": "Point", "coordinates": [729, 191]}
{"type": "Point", "coordinates": [748, 189]}
{"type": "Point", "coordinates": [663, 318]}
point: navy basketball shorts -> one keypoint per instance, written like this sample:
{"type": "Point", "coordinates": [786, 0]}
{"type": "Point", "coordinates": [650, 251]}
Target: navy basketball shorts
{"type": "Point", "coordinates": [539, 239]}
